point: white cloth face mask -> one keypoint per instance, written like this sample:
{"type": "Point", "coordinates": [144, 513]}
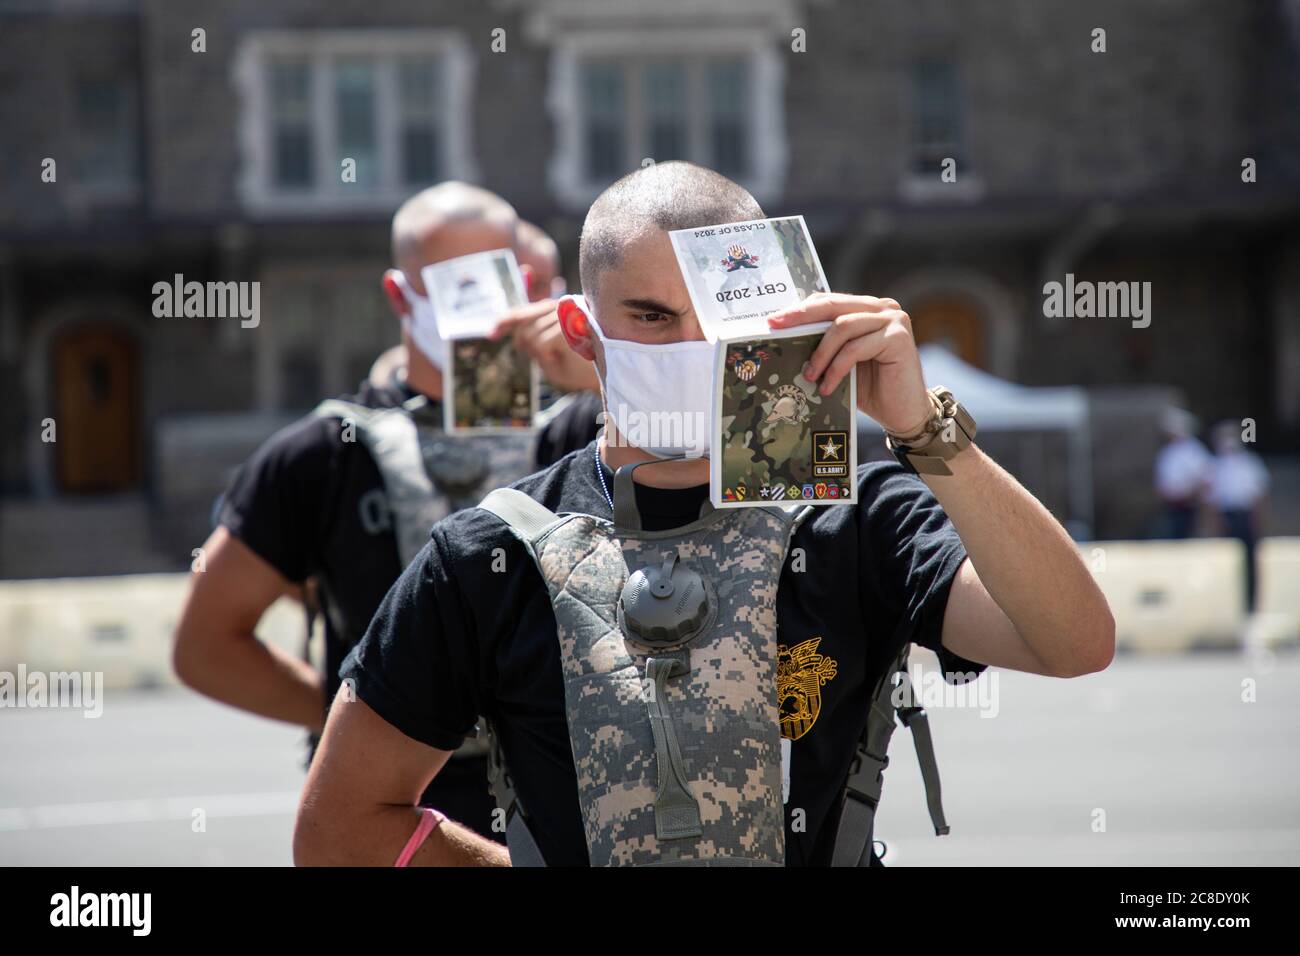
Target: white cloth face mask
{"type": "Point", "coordinates": [659, 397]}
{"type": "Point", "coordinates": [421, 326]}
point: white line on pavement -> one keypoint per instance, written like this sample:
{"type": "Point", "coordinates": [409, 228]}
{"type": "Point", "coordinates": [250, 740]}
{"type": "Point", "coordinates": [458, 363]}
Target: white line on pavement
{"type": "Point", "coordinates": [146, 810]}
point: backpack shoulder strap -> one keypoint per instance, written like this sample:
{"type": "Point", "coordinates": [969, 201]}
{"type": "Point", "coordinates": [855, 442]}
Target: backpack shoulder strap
{"type": "Point", "coordinates": [915, 719]}
{"type": "Point", "coordinates": [519, 838]}
{"type": "Point", "coordinates": [554, 410]}
{"type": "Point", "coordinates": [527, 518]}
{"type": "Point", "coordinates": [391, 437]}
{"type": "Point", "coordinates": [338, 408]}
{"type": "Point", "coordinates": [853, 841]}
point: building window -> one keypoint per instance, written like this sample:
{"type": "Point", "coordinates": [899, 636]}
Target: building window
{"type": "Point", "coordinates": [664, 109]}
{"type": "Point", "coordinates": [727, 130]}
{"type": "Point", "coordinates": [936, 115]}
{"type": "Point", "coordinates": [665, 106]}
{"type": "Point", "coordinates": [606, 143]}
{"type": "Point", "coordinates": [420, 91]}
{"type": "Point", "coordinates": [106, 131]}
{"type": "Point", "coordinates": [710, 98]}
{"type": "Point", "coordinates": [291, 123]}
{"type": "Point", "coordinates": [938, 134]}
{"type": "Point", "coordinates": [354, 119]}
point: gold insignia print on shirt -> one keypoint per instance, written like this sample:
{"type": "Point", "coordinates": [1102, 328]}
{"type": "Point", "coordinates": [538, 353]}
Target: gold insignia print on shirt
{"type": "Point", "coordinates": [800, 674]}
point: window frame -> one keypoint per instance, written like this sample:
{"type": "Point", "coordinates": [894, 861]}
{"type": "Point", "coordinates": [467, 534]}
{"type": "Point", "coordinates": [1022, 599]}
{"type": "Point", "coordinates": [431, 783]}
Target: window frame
{"type": "Point", "coordinates": [768, 151]}
{"type": "Point", "coordinates": [915, 185]}
{"type": "Point", "coordinates": [128, 184]}
{"type": "Point", "coordinates": [322, 49]}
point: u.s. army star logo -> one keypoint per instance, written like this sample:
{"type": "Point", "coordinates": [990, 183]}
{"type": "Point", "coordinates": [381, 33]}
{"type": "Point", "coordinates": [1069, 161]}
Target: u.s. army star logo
{"type": "Point", "coordinates": [800, 674]}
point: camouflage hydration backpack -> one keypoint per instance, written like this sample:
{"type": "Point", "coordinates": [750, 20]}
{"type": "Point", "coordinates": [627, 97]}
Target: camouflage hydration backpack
{"type": "Point", "coordinates": [427, 474]}
{"type": "Point", "coordinates": [668, 648]}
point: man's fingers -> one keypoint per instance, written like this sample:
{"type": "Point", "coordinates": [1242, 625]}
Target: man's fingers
{"type": "Point", "coordinates": [522, 315]}
{"type": "Point", "coordinates": [862, 349]}
{"type": "Point", "coordinates": [845, 327]}
{"type": "Point", "coordinates": [550, 337]}
{"type": "Point", "coordinates": [535, 337]}
{"type": "Point", "coordinates": [826, 306]}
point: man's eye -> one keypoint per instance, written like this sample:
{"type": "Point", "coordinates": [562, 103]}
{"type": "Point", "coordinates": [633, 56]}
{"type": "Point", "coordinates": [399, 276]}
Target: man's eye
{"type": "Point", "coordinates": [650, 317]}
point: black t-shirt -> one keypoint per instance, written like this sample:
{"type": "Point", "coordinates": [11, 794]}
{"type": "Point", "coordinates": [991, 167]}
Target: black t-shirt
{"type": "Point", "coordinates": [572, 429]}
{"type": "Point", "coordinates": [456, 637]}
{"type": "Point", "coordinates": [311, 504]}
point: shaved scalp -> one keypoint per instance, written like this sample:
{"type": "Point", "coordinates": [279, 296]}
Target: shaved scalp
{"type": "Point", "coordinates": [535, 245]}
{"type": "Point", "coordinates": [664, 196]}
{"type": "Point", "coordinates": [448, 202]}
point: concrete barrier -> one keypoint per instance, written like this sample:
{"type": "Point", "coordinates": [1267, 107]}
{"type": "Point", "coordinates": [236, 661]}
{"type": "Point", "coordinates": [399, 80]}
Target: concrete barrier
{"type": "Point", "coordinates": [120, 625]}
{"type": "Point", "coordinates": [1172, 595]}
{"type": "Point", "coordinates": [1166, 596]}
{"type": "Point", "coordinates": [1277, 620]}
{"type": "Point", "coordinates": [1178, 595]}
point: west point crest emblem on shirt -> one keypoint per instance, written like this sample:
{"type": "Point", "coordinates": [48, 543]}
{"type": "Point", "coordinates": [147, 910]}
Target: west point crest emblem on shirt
{"type": "Point", "coordinates": [800, 674]}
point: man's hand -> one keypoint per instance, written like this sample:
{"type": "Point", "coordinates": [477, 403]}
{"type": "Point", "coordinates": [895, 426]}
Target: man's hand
{"type": "Point", "coordinates": [535, 329]}
{"type": "Point", "coordinates": [874, 337]}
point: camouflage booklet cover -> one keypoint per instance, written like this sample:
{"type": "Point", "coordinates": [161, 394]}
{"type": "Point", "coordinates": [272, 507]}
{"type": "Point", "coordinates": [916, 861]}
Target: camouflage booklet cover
{"type": "Point", "coordinates": [487, 385]}
{"type": "Point", "coordinates": [491, 387]}
{"type": "Point", "coordinates": [774, 439]}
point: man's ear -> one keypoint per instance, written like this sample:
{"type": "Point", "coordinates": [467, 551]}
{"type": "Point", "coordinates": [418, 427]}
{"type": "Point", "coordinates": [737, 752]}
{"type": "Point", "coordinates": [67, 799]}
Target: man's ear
{"type": "Point", "coordinates": [393, 293]}
{"type": "Point", "coordinates": [530, 283]}
{"type": "Point", "coordinates": [576, 328]}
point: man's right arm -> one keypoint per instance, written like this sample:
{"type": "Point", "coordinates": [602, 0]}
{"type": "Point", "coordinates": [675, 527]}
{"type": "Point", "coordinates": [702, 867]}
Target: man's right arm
{"type": "Point", "coordinates": [410, 693]}
{"type": "Point", "coordinates": [359, 804]}
{"type": "Point", "coordinates": [262, 546]}
{"type": "Point", "coordinates": [216, 652]}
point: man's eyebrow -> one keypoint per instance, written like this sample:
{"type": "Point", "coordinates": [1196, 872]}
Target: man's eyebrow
{"type": "Point", "coordinates": [649, 305]}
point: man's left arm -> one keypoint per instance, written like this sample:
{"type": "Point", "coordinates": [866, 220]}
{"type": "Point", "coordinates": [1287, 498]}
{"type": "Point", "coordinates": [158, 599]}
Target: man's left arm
{"type": "Point", "coordinates": [1024, 599]}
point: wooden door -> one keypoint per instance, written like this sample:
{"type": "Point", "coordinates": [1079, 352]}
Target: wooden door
{"type": "Point", "coordinates": [954, 324]}
{"type": "Point", "coordinates": [97, 432]}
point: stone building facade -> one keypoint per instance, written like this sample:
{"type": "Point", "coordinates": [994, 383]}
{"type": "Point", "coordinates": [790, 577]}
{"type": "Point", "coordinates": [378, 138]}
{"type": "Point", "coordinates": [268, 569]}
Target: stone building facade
{"type": "Point", "coordinates": [206, 141]}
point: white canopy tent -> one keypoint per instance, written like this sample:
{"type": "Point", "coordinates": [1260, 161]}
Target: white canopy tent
{"type": "Point", "coordinates": [999, 405]}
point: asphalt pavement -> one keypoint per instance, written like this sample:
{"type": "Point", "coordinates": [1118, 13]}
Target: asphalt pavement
{"type": "Point", "coordinates": [1157, 760]}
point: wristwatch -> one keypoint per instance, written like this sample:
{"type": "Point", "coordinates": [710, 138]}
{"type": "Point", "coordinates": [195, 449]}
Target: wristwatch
{"type": "Point", "coordinates": [946, 433]}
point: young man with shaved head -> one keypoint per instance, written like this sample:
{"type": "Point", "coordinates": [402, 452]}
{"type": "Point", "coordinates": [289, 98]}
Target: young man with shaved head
{"type": "Point", "coordinates": [535, 328]}
{"type": "Point", "coordinates": [314, 502]}
{"type": "Point", "coordinates": [539, 253]}
{"type": "Point", "coordinates": [968, 564]}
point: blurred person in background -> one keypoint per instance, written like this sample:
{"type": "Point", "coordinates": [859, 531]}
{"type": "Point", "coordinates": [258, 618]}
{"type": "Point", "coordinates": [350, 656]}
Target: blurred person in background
{"type": "Point", "coordinates": [1181, 474]}
{"type": "Point", "coordinates": [536, 331]}
{"type": "Point", "coordinates": [315, 503]}
{"type": "Point", "coordinates": [539, 256]}
{"type": "Point", "coordinates": [1238, 491]}
{"type": "Point", "coordinates": [575, 415]}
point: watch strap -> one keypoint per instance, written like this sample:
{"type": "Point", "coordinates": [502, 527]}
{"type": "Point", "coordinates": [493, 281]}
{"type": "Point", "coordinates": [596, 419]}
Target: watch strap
{"type": "Point", "coordinates": [946, 435]}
